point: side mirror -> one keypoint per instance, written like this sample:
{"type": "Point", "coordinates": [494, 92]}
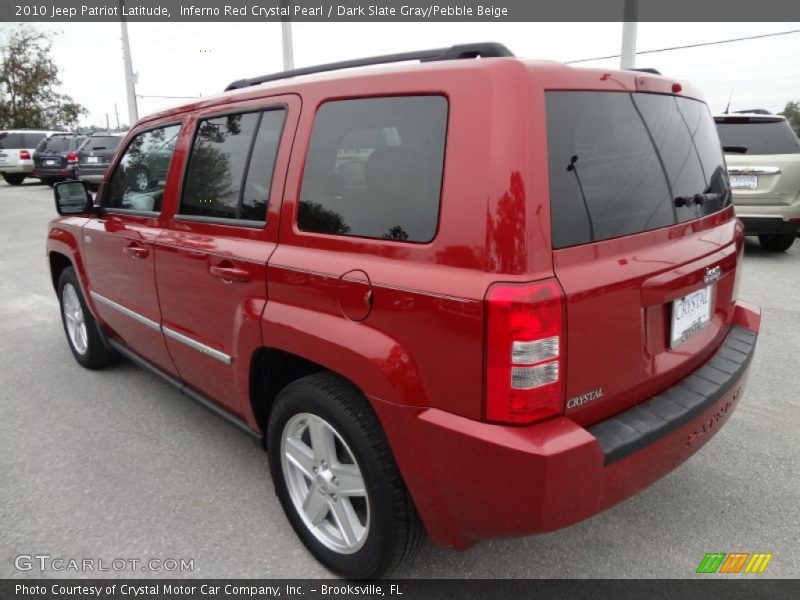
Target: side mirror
{"type": "Point", "coordinates": [73, 198]}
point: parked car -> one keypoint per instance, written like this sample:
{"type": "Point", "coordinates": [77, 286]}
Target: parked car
{"type": "Point", "coordinates": [16, 153]}
{"type": "Point", "coordinates": [95, 155]}
{"type": "Point", "coordinates": [763, 156]}
{"type": "Point", "coordinates": [56, 157]}
{"type": "Point", "coordinates": [477, 298]}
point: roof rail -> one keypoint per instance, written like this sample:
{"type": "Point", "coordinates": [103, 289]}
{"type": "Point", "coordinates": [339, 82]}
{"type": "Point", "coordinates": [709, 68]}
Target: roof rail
{"type": "Point", "coordinates": [460, 51]}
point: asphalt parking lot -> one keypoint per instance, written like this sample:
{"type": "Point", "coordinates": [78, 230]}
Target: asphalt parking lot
{"type": "Point", "coordinates": [117, 464]}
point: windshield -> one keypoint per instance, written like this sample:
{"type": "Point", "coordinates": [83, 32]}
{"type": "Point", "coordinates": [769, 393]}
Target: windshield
{"type": "Point", "coordinates": [101, 142]}
{"type": "Point", "coordinates": [13, 141]}
{"type": "Point", "coordinates": [623, 163]}
{"type": "Point", "coordinates": [758, 137]}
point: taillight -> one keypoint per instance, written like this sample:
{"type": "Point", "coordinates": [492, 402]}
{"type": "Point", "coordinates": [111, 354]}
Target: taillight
{"type": "Point", "coordinates": [24, 155]}
{"type": "Point", "coordinates": [72, 157]}
{"type": "Point", "coordinates": [525, 342]}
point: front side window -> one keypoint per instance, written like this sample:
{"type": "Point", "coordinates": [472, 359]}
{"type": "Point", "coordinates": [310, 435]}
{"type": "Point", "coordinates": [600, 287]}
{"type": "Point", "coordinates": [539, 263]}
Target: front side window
{"type": "Point", "coordinates": [230, 166]}
{"type": "Point", "coordinates": [139, 179]}
{"type": "Point", "coordinates": [374, 168]}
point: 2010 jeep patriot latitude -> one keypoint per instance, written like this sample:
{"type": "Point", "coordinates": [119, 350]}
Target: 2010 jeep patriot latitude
{"type": "Point", "coordinates": [478, 298]}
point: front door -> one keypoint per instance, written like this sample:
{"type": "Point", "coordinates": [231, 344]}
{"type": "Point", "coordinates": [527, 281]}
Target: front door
{"type": "Point", "coordinates": [211, 261]}
{"type": "Point", "coordinates": [119, 251]}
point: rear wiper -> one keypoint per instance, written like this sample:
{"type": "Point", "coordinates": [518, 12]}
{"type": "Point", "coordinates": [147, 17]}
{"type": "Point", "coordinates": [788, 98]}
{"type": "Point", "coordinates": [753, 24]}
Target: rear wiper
{"type": "Point", "coordinates": [735, 149]}
{"type": "Point", "coordinates": [698, 199]}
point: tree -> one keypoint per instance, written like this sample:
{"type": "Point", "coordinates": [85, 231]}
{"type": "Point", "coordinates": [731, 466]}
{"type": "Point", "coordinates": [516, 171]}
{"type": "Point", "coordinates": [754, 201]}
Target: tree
{"type": "Point", "coordinates": [792, 114]}
{"type": "Point", "coordinates": [29, 82]}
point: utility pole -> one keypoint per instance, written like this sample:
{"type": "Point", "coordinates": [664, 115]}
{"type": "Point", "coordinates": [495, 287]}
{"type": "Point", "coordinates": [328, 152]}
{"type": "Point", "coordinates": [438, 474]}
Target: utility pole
{"type": "Point", "coordinates": [286, 36]}
{"type": "Point", "coordinates": [133, 110]}
{"type": "Point", "coordinates": [116, 112]}
{"type": "Point", "coordinates": [108, 126]}
{"type": "Point", "coordinates": [631, 18]}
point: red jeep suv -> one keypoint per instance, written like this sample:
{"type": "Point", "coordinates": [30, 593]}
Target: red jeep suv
{"type": "Point", "coordinates": [473, 298]}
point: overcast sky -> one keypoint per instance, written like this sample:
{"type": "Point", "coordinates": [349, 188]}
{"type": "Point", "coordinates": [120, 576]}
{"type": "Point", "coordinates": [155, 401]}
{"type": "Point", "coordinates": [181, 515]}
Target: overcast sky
{"type": "Point", "coordinates": [183, 59]}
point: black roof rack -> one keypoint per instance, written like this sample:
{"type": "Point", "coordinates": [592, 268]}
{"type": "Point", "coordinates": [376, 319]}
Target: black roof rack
{"type": "Point", "coordinates": [647, 70]}
{"type": "Point", "coordinates": [483, 50]}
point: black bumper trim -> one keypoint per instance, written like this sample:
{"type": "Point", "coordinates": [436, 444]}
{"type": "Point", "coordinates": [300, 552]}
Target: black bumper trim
{"type": "Point", "coordinates": [775, 225]}
{"type": "Point", "coordinates": [648, 422]}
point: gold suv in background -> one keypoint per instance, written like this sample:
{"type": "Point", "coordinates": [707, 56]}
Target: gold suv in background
{"type": "Point", "coordinates": [763, 157]}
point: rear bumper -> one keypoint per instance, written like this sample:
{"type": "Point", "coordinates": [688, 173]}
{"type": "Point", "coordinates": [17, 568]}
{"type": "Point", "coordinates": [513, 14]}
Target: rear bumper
{"type": "Point", "coordinates": [53, 173]}
{"type": "Point", "coordinates": [91, 175]}
{"type": "Point", "coordinates": [759, 225]}
{"type": "Point", "coordinates": [473, 480]}
{"type": "Point", "coordinates": [22, 167]}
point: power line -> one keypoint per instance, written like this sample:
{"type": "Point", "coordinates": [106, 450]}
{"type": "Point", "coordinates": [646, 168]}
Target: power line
{"type": "Point", "coordinates": [739, 39]}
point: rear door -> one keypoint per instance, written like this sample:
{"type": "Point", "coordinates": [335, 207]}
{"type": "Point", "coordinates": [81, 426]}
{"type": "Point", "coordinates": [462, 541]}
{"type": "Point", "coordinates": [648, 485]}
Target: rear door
{"type": "Point", "coordinates": [52, 152]}
{"type": "Point", "coordinates": [644, 243]}
{"type": "Point", "coordinates": [212, 258]}
{"type": "Point", "coordinates": [763, 156]}
{"type": "Point", "coordinates": [97, 152]}
{"type": "Point", "coordinates": [119, 250]}
{"type": "Point", "coordinates": [14, 144]}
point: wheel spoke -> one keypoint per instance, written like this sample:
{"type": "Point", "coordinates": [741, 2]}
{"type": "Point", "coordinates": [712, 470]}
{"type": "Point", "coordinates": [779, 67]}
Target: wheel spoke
{"type": "Point", "coordinates": [315, 506]}
{"type": "Point", "coordinates": [322, 441]}
{"type": "Point", "coordinates": [346, 520]}
{"type": "Point", "coordinates": [83, 337]}
{"type": "Point", "coordinates": [349, 480]}
{"type": "Point", "coordinates": [300, 455]}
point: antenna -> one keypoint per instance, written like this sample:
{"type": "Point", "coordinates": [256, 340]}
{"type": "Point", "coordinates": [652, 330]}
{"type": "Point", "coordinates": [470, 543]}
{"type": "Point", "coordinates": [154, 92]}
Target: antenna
{"type": "Point", "coordinates": [728, 108]}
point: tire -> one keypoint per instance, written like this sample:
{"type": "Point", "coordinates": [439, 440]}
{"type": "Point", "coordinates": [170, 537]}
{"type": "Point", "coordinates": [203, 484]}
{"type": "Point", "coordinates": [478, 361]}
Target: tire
{"type": "Point", "coordinates": [776, 242]}
{"type": "Point", "coordinates": [80, 326]}
{"type": "Point", "coordinates": [388, 528]}
{"type": "Point", "coordinates": [49, 182]}
{"type": "Point", "coordinates": [14, 178]}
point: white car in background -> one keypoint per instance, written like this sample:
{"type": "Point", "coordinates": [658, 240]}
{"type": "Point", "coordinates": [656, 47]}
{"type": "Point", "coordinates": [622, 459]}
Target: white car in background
{"type": "Point", "coordinates": [763, 157]}
{"type": "Point", "coordinates": [16, 152]}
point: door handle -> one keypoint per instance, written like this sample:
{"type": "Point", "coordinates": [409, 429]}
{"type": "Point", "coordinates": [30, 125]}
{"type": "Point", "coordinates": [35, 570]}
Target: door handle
{"type": "Point", "coordinates": [135, 251]}
{"type": "Point", "coordinates": [230, 274]}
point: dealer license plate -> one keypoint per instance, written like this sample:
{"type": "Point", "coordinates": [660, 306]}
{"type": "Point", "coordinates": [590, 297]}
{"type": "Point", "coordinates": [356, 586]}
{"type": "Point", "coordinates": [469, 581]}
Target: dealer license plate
{"type": "Point", "coordinates": [744, 182]}
{"type": "Point", "coordinates": [690, 314]}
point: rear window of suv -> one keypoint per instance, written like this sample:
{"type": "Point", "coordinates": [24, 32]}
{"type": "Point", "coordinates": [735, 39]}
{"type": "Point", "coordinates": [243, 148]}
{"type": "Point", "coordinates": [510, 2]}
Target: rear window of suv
{"type": "Point", "coordinates": [624, 163]}
{"type": "Point", "coordinates": [741, 135]}
{"type": "Point", "coordinates": [101, 142]}
{"type": "Point", "coordinates": [57, 143]}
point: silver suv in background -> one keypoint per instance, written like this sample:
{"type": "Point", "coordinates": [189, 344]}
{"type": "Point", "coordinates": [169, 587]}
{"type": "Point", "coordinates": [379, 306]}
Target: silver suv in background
{"type": "Point", "coordinates": [763, 157]}
{"type": "Point", "coordinates": [17, 147]}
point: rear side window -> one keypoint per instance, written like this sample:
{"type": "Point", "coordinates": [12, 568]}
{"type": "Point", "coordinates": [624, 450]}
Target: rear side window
{"type": "Point", "coordinates": [757, 137]}
{"type": "Point", "coordinates": [374, 168]}
{"type": "Point", "coordinates": [622, 163]}
{"type": "Point", "coordinates": [230, 166]}
{"type": "Point", "coordinates": [16, 141]}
